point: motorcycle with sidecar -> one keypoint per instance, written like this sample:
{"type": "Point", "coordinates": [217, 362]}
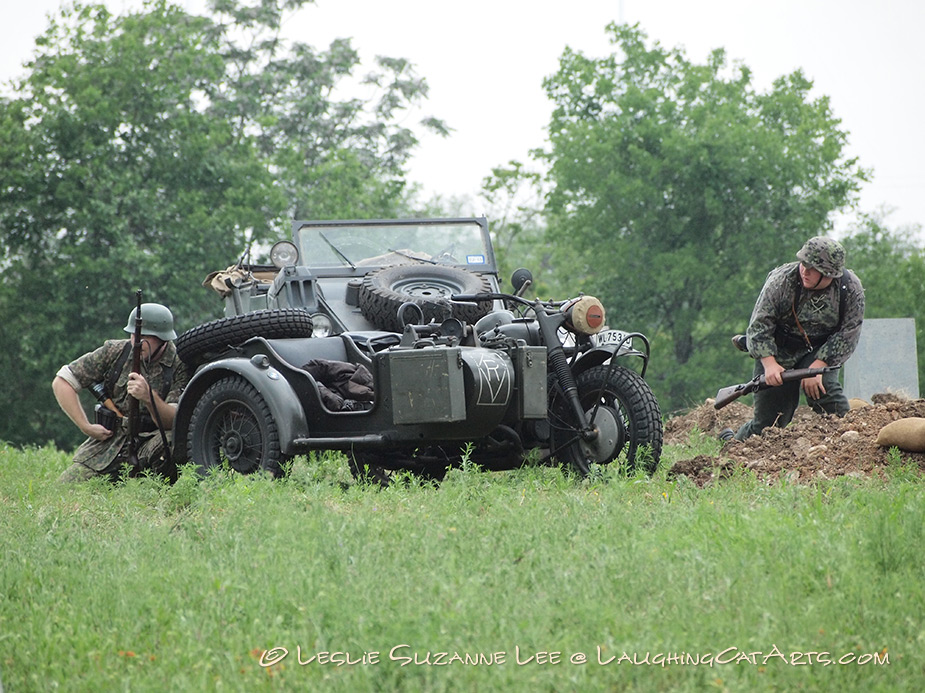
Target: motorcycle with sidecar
{"type": "Point", "coordinates": [396, 346]}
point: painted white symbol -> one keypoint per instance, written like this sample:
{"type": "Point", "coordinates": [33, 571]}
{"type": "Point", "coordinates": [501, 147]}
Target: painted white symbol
{"type": "Point", "coordinates": [494, 380]}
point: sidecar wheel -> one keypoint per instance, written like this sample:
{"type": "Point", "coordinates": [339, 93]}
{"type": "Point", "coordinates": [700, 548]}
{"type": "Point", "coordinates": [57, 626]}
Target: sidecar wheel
{"type": "Point", "coordinates": [232, 423]}
{"type": "Point", "coordinates": [429, 286]}
{"type": "Point", "coordinates": [628, 419]}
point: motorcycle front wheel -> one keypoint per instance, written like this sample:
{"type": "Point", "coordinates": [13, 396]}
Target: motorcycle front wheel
{"type": "Point", "coordinates": [625, 413]}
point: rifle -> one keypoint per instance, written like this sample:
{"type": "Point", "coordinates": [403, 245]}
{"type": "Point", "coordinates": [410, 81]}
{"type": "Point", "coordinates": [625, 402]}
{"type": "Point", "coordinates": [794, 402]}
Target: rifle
{"type": "Point", "coordinates": [133, 415]}
{"type": "Point", "coordinates": [733, 392]}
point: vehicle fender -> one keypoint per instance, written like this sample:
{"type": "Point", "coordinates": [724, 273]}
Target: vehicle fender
{"type": "Point", "coordinates": [602, 354]}
{"type": "Point", "coordinates": [284, 404]}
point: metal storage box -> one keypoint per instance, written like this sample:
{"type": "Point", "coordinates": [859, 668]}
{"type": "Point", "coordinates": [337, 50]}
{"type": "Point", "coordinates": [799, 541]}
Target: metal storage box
{"type": "Point", "coordinates": [427, 386]}
{"type": "Point", "coordinates": [530, 363]}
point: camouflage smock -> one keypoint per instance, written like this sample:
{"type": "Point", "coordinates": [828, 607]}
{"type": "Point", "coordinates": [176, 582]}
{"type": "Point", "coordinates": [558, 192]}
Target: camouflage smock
{"type": "Point", "coordinates": [818, 312]}
{"type": "Point", "coordinates": [95, 367]}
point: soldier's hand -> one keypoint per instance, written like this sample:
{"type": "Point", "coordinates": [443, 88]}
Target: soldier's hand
{"type": "Point", "coordinates": [137, 387]}
{"type": "Point", "coordinates": [813, 387]}
{"type": "Point", "coordinates": [772, 371]}
{"type": "Point", "coordinates": [98, 432]}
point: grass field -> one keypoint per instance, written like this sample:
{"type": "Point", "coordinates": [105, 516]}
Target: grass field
{"type": "Point", "coordinates": [530, 580]}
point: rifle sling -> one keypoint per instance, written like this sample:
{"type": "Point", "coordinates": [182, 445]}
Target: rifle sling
{"type": "Point", "coordinates": [160, 427]}
{"type": "Point", "coordinates": [806, 340]}
{"type": "Point", "coordinates": [785, 337]}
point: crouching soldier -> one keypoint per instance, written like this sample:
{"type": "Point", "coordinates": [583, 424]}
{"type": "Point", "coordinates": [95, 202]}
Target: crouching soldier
{"type": "Point", "coordinates": [808, 315]}
{"type": "Point", "coordinates": [108, 372]}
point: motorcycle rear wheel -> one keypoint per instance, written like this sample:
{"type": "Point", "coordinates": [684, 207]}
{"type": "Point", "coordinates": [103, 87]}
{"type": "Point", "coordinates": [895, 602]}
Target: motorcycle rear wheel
{"type": "Point", "coordinates": [628, 419]}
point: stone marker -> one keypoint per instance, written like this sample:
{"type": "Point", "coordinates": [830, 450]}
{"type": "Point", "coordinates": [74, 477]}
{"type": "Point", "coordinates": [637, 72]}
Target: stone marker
{"type": "Point", "coordinates": [884, 361]}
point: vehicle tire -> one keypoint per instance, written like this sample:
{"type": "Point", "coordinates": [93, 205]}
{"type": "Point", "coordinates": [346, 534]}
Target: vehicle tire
{"type": "Point", "coordinates": [429, 286]}
{"type": "Point", "coordinates": [628, 417]}
{"type": "Point", "coordinates": [232, 423]}
{"type": "Point", "coordinates": [197, 344]}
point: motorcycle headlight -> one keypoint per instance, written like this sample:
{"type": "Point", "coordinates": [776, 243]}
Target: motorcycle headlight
{"type": "Point", "coordinates": [585, 315]}
{"type": "Point", "coordinates": [321, 325]}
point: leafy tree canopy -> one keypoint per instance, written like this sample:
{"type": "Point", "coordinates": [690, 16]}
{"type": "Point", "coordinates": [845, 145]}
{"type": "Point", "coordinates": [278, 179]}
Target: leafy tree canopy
{"type": "Point", "coordinates": [688, 185]}
{"type": "Point", "coordinates": [148, 149]}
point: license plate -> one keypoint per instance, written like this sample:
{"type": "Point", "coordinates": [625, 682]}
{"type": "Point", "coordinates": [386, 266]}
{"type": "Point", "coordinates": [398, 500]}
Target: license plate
{"type": "Point", "coordinates": [610, 337]}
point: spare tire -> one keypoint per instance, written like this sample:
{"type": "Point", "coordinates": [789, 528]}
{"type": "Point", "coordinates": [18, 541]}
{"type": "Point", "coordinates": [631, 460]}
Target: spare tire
{"type": "Point", "coordinates": [429, 286]}
{"type": "Point", "coordinates": [195, 345]}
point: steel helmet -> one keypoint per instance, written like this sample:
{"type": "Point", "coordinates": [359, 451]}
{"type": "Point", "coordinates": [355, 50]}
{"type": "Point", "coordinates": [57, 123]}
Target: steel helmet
{"type": "Point", "coordinates": [823, 254]}
{"type": "Point", "coordinates": [156, 320]}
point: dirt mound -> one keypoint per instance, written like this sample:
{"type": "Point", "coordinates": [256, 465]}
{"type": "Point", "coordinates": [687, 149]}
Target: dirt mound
{"type": "Point", "coordinates": [811, 447]}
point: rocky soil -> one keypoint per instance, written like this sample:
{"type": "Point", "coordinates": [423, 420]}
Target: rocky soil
{"type": "Point", "coordinates": [811, 447]}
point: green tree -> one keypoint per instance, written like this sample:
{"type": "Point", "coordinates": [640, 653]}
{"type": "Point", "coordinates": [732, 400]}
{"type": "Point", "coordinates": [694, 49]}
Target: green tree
{"type": "Point", "coordinates": [147, 149]}
{"type": "Point", "coordinates": [513, 198]}
{"type": "Point", "coordinates": [686, 185]}
{"type": "Point", "coordinates": [331, 156]}
{"type": "Point", "coordinates": [113, 178]}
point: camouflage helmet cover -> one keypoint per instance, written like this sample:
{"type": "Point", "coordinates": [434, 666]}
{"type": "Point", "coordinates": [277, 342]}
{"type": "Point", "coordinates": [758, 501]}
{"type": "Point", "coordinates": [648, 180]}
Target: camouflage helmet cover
{"type": "Point", "coordinates": [156, 320]}
{"type": "Point", "coordinates": [823, 254]}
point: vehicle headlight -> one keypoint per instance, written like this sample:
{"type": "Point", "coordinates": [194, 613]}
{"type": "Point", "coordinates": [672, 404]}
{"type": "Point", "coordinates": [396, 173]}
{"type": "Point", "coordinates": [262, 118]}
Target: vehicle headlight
{"type": "Point", "coordinates": [321, 325]}
{"type": "Point", "coordinates": [284, 254]}
{"type": "Point", "coordinates": [585, 315]}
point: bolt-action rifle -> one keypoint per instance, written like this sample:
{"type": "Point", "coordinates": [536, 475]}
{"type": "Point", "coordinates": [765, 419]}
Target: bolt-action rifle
{"type": "Point", "coordinates": [133, 413]}
{"type": "Point", "coordinates": [733, 392]}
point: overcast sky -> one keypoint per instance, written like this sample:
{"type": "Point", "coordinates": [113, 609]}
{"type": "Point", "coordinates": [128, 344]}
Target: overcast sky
{"type": "Point", "coordinates": [485, 60]}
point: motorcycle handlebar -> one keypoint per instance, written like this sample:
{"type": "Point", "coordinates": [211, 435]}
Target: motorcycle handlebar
{"type": "Point", "coordinates": [477, 298]}
{"type": "Point", "coordinates": [481, 298]}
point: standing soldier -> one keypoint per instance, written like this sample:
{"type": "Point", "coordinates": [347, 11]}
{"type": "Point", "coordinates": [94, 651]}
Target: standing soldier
{"type": "Point", "coordinates": [107, 370]}
{"type": "Point", "coordinates": [808, 315]}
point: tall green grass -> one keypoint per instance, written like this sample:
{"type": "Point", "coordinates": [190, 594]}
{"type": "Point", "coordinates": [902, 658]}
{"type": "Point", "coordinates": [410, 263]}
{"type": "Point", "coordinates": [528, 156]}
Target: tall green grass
{"type": "Point", "coordinates": [237, 583]}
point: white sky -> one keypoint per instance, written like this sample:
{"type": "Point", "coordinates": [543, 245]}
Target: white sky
{"type": "Point", "coordinates": [485, 60]}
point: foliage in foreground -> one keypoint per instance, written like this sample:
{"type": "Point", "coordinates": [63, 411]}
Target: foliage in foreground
{"type": "Point", "coordinates": [147, 149]}
{"type": "Point", "coordinates": [236, 583]}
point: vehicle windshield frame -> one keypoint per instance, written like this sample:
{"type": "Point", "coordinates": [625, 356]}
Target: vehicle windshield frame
{"type": "Point", "coordinates": [348, 247]}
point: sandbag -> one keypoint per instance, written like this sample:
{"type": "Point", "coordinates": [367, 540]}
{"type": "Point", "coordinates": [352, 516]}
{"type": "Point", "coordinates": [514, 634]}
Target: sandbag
{"type": "Point", "coordinates": [905, 434]}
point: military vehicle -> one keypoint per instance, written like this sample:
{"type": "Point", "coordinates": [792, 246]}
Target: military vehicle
{"type": "Point", "coordinates": [393, 342]}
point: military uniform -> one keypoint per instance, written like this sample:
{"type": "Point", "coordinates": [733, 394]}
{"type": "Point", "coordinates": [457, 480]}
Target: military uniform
{"type": "Point", "coordinates": [107, 457]}
{"type": "Point", "coordinates": [799, 326]}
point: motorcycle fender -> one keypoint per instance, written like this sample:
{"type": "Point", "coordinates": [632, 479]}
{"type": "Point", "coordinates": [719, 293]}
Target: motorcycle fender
{"type": "Point", "coordinates": [282, 400]}
{"type": "Point", "coordinates": [602, 354]}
